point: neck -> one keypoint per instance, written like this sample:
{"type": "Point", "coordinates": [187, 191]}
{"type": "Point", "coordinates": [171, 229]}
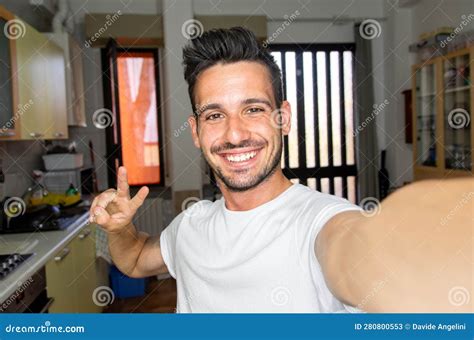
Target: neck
{"type": "Point", "coordinates": [261, 194]}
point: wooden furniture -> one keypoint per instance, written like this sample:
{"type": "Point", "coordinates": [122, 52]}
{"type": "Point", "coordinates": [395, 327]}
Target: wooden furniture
{"type": "Point", "coordinates": [442, 94]}
{"type": "Point", "coordinates": [71, 276]}
{"type": "Point", "coordinates": [37, 81]}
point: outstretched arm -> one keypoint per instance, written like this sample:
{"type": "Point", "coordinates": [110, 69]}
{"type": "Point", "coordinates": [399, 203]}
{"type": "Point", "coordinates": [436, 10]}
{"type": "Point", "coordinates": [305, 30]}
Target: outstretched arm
{"type": "Point", "coordinates": [415, 255]}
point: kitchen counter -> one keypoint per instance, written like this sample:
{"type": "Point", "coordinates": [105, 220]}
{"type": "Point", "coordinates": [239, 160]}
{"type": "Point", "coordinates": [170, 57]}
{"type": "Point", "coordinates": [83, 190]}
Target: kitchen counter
{"type": "Point", "coordinates": [44, 245]}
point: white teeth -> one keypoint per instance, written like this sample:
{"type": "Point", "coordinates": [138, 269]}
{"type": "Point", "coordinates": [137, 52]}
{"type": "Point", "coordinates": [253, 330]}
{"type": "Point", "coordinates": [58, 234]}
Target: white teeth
{"type": "Point", "coordinates": [241, 157]}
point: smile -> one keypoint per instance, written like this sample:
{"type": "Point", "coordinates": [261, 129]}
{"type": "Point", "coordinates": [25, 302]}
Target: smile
{"type": "Point", "coordinates": [242, 157]}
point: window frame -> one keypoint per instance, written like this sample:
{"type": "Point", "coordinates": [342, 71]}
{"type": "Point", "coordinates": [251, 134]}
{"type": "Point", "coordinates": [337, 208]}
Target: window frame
{"type": "Point", "coordinates": [111, 99]}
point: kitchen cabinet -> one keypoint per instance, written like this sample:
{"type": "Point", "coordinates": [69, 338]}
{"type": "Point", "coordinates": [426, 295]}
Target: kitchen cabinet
{"type": "Point", "coordinates": [38, 107]}
{"type": "Point", "coordinates": [442, 100]}
{"type": "Point", "coordinates": [76, 115]}
{"type": "Point", "coordinates": [71, 276]}
{"type": "Point", "coordinates": [60, 281]}
{"type": "Point", "coordinates": [7, 80]}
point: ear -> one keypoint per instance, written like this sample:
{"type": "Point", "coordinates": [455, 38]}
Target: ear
{"type": "Point", "coordinates": [285, 117]}
{"type": "Point", "coordinates": [192, 121]}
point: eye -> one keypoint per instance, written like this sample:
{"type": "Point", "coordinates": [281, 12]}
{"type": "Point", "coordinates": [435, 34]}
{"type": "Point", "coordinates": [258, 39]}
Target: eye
{"type": "Point", "coordinates": [214, 116]}
{"type": "Point", "coordinates": [255, 110]}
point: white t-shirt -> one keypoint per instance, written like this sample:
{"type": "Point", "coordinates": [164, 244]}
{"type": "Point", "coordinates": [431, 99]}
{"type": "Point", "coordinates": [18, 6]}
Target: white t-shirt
{"type": "Point", "coordinates": [256, 261]}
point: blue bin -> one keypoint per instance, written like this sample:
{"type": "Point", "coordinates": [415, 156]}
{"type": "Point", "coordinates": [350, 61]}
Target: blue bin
{"type": "Point", "coordinates": [124, 286]}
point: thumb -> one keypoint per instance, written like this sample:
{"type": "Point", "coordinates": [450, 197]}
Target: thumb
{"type": "Point", "coordinates": [101, 216]}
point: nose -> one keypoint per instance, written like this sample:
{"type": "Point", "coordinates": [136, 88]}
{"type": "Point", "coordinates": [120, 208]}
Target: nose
{"type": "Point", "coordinates": [236, 130]}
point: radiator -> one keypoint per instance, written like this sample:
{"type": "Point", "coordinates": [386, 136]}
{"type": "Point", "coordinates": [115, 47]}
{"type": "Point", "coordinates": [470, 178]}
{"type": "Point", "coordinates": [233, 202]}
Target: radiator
{"type": "Point", "coordinates": [153, 216]}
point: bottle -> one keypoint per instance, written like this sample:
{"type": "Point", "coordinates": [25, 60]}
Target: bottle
{"type": "Point", "coordinates": [71, 191]}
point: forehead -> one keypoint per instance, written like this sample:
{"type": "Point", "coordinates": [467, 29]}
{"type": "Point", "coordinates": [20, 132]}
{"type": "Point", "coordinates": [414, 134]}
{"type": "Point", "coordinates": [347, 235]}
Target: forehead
{"type": "Point", "coordinates": [232, 82]}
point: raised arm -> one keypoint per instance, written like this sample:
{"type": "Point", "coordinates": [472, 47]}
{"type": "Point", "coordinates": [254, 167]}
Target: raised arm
{"type": "Point", "coordinates": [135, 253]}
{"type": "Point", "coordinates": [415, 255]}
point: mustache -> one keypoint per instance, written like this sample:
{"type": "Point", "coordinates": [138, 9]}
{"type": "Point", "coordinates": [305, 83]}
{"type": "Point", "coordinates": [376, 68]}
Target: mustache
{"type": "Point", "coordinates": [229, 146]}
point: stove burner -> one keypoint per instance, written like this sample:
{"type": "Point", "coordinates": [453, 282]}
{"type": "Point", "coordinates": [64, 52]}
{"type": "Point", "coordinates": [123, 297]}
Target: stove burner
{"type": "Point", "coordinates": [9, 262]}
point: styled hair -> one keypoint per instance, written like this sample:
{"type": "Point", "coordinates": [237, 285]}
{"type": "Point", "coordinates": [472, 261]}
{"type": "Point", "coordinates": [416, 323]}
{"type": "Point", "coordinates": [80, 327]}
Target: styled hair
{"type": "Point", "coordinates": [224, 46]}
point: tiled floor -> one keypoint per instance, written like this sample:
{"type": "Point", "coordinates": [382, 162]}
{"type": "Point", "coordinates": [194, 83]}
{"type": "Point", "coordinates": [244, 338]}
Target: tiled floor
{"type": "Point", "coordinates": [160, 297]}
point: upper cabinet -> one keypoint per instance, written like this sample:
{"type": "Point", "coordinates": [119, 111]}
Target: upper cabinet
{"type": "Point", "coordinates": [37, 79]}
{"type": "Point", "coordinates": [76, 115]}
{"type": "Point", "coordinates": [7, 85]}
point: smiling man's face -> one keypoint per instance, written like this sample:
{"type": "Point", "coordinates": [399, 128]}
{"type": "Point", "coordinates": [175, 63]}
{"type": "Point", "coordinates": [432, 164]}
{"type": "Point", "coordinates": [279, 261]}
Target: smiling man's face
{"type": "Point", "coordinates": [239, 131]}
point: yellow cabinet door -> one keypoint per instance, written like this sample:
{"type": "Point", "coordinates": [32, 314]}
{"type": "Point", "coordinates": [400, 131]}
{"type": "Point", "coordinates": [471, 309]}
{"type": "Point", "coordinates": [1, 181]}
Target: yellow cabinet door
{"type": "Point", "coordinates": [41, 86]}
{"type": "Point", "coordinates": [71, 276]}
{"type": "Point", "coordinates": [32, 74]}
{"type": "Point", "coordinates": [85, 270]}
{"type": "Point", "coordinates": [61, 281]}
{"type": "Point", "coordinates": [56, 85]}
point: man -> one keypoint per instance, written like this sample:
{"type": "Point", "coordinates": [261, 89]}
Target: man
{"type": "Point", "coordinates": [273, 246]}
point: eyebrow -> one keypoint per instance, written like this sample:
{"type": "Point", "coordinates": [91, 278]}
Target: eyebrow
{"type": "Point", "coordinates": [217, 106]}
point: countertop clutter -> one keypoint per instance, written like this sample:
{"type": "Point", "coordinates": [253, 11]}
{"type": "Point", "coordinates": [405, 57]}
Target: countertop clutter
{"type": "Point", "coordinates": [43, 245]}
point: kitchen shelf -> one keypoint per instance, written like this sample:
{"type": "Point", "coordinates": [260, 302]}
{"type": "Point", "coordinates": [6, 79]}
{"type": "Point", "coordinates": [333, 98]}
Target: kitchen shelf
{"type": "Point", "coordinates": [443, 140]}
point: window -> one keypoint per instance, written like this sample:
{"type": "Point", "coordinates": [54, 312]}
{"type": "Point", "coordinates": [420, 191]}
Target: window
{"type": "Point", "coordinates": [319, 151]}
{"type": "Point", "coordinates": [134, 138]}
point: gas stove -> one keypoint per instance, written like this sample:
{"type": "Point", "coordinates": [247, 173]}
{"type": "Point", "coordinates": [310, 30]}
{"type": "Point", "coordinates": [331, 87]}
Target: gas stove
{"type": "Point", "coordinates": [9, 262]}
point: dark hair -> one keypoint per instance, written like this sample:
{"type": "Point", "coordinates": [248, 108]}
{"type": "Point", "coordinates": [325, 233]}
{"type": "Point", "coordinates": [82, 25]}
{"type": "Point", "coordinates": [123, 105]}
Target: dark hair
{"type": "Point", "coordinates": [227, 46]}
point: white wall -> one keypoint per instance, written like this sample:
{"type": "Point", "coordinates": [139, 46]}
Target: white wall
{"type": "Point", "coordinates": [429, 15]}
{"type": "Point", "coordinates": [396, 66]}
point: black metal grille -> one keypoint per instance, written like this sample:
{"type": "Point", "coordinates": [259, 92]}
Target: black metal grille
{"type": "Point", "coordinates": [318, 83]}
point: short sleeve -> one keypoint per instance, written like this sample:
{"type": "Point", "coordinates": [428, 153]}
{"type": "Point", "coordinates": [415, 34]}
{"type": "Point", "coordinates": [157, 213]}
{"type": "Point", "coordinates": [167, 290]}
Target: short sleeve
{"type": "Point", "coordinates": [168, 239]}
{"type": "Point", "coordinates": [331, 207]}
{"type": "Point", "coordinates": [335, 206]}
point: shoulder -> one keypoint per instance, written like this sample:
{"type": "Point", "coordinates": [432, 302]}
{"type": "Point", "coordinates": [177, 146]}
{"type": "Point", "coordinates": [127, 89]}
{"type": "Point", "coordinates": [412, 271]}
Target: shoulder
{"type": "Point", "coordinates": [317, 208]}
{"type": "Point", "coordinates": [316, 201]}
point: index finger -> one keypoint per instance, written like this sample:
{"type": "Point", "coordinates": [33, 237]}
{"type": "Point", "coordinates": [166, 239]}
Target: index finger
{"type": "Point", "coordinates": [122, 183]}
